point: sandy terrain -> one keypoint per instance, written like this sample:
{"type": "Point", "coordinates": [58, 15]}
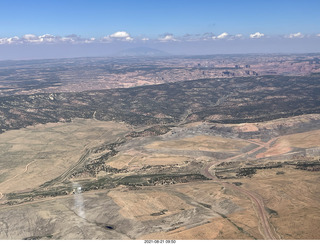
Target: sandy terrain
{"type": "Point", "coordinates": [40, 153]}
{"type": "Point", "coordinates": [295, 198]}
{"type": "Point", "coordinates": [208, 143]}
{"type": "Point", "coordinates": [200, 209]}
{"type": "Point", "coordinates": [145, 205]}
{"type": "Point", "coordinates": [302, 140]}
{"type": "Point", "coordinates": [285, 144]}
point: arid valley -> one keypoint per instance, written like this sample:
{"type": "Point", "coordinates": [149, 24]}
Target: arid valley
{"type": "Point", "coordinates": [204, 147]}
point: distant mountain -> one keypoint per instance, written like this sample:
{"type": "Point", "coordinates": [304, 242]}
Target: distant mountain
{"type": "Point", "coordinates": [141, 51]}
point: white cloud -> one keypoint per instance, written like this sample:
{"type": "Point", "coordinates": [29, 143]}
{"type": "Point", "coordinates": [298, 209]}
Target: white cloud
{"type": "Point", "coordinates": [257, 35]}
{"type": "Point", "coordinates": [106, 39]}
{"type": "Point", "coordinates": [192, 37]}
{"type": "Point", "coordinates": [3, 41]}
{"type": "Point", "coordinates": [296, 35]}
{"type": "Point", "coordinates": [207, 36]}
{"type": "Point", "coordinates": [9, 40]}
{"type": "Point", "coordinates": [29, 37]}
{"type": "Point", "coordinates": [167, 37]}
{"type": "Point", "coordinates": [223, 35]}
{"type": "Point", "coordinates": [90, 40]}
{"type": "Point", "coordinates": [126, 37]}
{"type": "Point", "coordinates": [67, 39]}
{"type": "Point", "coordinates": [120, 34]}
{"type": "Point", "coordinates": [235, 37]}
{"type": "Point", "coordinates": [47, 38]}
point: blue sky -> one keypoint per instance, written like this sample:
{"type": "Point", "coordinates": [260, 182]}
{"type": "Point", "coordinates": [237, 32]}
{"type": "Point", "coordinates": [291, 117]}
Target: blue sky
{"type": "Point", "coordinates": [154, 17]}
{"type": "Point", "coordinates": [93, 21]}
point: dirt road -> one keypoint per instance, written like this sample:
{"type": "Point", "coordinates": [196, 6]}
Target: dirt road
{"type": "Point", "coordinates": [255, 199]}
{"type": "Point", "coordinates": [25, 170]}
{"type": "Point", "coordinates": [258, 202]}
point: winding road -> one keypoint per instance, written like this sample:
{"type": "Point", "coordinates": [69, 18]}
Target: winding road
{"type": "Point", "coordinates": [25, 171]}
{"type": "Point", "coordinates": [255, 199]}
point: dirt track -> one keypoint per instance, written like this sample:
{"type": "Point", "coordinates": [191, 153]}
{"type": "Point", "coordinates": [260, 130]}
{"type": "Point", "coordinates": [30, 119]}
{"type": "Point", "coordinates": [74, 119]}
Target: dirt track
{"type": "Point", "coordinates": [258, 202]}
{"type": "Point", "coordinates": [256, 199]}
{"type": "Point", "coordinates": [26, 169]}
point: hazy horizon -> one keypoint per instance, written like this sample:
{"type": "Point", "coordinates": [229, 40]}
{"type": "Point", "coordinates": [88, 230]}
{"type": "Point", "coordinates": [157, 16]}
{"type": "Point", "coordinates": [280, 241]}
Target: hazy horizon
{"type": "Point", "coordinates": [52, 51]}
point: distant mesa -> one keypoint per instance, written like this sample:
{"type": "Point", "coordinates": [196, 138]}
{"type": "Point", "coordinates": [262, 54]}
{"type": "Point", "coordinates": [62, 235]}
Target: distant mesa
{"type": "Point", "coordinates": [141, 52]}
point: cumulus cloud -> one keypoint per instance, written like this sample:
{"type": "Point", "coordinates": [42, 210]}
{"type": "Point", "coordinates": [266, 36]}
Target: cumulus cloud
{"type": "Point", "coordinates": [106, 39]}
{"type": "Point", "coordinates": [191, 37]}
{"type": "Point", "coordinates": [29, 37]}
{"type": "Point", "coordinates": [210, 36]}
{"type": "Point", "coordinates": [67, 40]}
{"type": "Point", "coordinates": [257, 35]}
{"type": "Point", "coordinates": [119, 35]}
{"type": "Point", "coordinates": [9, 40]}
{"type": "Point", "coordinates": [46, 38]}
{"type": "Point", "coordinates": [296, 35]}
{"type": "Point", "coordinates": [124, 36]}
{"type": "Point", "coordinates": [207, 36]}
{"type": "Point", "coordinates": [235, 37]}
{"type": "Point", "coordinates": [90, 40]}
{"type": "Point", "coordinates": [167, 38]}
{"type": "Point", "coordinates": [223, 35]}
{"type": "Point", "coordinates": [71, 39]}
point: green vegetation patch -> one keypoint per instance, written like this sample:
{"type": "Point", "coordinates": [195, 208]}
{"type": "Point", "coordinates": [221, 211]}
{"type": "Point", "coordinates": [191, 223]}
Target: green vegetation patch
{"type": "Point", "coordinates": [160, 179]}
